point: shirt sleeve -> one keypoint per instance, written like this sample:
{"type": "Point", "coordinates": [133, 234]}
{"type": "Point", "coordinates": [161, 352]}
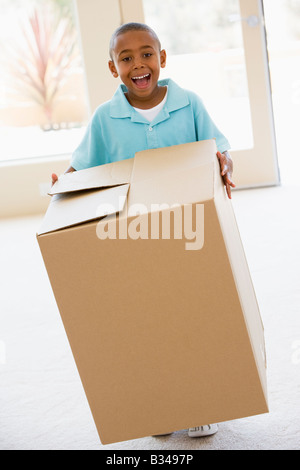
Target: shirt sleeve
{"type": "Point", "coordinates": [90, 151]}
{"type": "Point", "coordinates": [205, 126]}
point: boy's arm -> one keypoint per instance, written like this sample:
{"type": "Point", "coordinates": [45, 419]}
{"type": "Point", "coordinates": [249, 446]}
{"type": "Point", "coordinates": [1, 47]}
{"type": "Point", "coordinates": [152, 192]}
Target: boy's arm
{"type": "Point", "coordinates": [226, 166]}
{"type": "Point", "coordinates": [206, 129]}
{"type": "Point", "coordinates": [55, 177]}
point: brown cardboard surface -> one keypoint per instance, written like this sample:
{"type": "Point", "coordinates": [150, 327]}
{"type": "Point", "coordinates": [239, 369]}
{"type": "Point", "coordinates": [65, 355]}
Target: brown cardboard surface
{"type": "Point", "coordinates": [176, 158]}
{"type": "Point", "coordinates": [77, 207]}
{"type": "Point", "coordinates": [103, 176]}
{"type": "Point", "coordinates": [164, 337]}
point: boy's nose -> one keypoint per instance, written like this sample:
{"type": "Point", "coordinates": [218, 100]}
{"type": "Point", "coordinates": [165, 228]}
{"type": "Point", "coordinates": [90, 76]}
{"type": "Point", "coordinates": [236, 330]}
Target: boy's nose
{"type": "Point", "coordinates": [138, 63]}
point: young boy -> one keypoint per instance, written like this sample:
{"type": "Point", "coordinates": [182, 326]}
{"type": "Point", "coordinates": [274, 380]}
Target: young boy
{"type": "Point", "coordinates": [146, 113]}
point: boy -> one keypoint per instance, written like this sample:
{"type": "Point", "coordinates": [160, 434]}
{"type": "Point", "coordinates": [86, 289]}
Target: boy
{"type": "Point", "coordinates": [143, 116]}
{"type": "Point", "coordinates": [146, 113]}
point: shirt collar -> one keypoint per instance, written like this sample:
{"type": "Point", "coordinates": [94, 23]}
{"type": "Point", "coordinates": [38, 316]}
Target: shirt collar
{"type": "Point", "coordinates": [120, 108]}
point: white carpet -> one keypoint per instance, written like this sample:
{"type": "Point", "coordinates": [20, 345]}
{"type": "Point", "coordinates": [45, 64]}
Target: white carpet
{"type": "Point", "coordinates": [42, 403]}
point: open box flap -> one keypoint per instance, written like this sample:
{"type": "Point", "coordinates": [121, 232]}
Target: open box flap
{"type": "Point", "coordinates": [67, 210]}
{"type": "Point", "coordinates": [149, 164]}
{"type": "Point", "coordinates": [186, 186]}
{"type": "Point", "coordinates": [181, 174]}
{"type": "Point", "coordinates": [152, 173]}
{"type": "Point", "coordinates": [102, 176]}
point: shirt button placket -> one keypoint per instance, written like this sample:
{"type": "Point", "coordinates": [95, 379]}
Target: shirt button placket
{"type": "Point", "coordinates": [151, 137]}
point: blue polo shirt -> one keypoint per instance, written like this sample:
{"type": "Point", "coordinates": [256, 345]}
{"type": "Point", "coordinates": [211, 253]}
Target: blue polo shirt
{"type": "Point", "coordinates": [117, 131]}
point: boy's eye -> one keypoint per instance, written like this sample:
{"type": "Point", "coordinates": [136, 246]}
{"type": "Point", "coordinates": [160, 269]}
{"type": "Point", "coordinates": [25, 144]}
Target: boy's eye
{"type": "Point", "coordinates": [126, 59]}
{"type": "Point", "coordinates": [147, 54]}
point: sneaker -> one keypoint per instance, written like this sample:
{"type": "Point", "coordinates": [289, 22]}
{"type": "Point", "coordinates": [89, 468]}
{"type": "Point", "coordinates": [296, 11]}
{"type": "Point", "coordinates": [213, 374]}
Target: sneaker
{"type": "Point", "coordinates": [202, 431]}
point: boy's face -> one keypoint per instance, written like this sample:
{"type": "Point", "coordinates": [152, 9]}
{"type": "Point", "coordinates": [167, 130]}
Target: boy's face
{"type": "Point", "coordinates": [137, 61]}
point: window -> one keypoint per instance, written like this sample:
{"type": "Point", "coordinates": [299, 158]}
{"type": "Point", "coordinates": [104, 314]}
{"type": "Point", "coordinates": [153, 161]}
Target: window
{"type": "Point", "coordinates": [283, 33]}
{"type": "Point", "coordinates": [205, 53]}
{"type": "Point", "coordinates": [227, 66]}
{"type": "Point", "coordinates": [43, 107]}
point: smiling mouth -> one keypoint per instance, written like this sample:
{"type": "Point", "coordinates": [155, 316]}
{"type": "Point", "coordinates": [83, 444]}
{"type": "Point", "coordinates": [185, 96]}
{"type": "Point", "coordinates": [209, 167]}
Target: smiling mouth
{"type": "Point", "coordinates": [142, 81]}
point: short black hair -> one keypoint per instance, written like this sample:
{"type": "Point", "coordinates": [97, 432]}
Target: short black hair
{"type": "Point", "coordinates": [124, 28]}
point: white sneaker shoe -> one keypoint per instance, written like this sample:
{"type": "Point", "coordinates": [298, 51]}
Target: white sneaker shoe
{"type": "Point", "coordinates": [202, 431]}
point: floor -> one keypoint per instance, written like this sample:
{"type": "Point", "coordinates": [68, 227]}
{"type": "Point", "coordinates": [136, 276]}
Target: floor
{"type": "Point", "coordinates": [43, 405]}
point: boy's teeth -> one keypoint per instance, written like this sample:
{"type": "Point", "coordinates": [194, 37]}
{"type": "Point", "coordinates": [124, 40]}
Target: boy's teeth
{"type": "Point", "coordinates": [139, 78]}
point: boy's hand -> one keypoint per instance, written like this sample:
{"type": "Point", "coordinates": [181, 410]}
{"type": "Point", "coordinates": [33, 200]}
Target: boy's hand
{"type": "Point", "coordinates": [226, 167]}
{"type": "Point", "coordinates": [54, 179]}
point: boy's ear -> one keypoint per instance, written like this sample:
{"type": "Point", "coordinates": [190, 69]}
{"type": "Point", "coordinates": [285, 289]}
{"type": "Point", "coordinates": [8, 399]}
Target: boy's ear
{"type": "Point", "coordinates": [163, 58]}
{"type": "Point", "coordinates": [112, 68]}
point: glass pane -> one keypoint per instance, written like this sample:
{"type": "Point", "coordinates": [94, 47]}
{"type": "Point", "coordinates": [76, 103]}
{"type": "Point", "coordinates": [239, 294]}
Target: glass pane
{"type": "Point", "coordinates": [283, 35]}
{"type": "Point", "coordinates": [43, 107]}
{"type": "Point", "coordinates": [205, 52]}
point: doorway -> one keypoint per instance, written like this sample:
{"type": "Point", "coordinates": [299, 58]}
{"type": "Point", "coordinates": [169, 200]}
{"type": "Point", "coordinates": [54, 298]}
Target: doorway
{"type": "Point", "coordinates": [218, 49]}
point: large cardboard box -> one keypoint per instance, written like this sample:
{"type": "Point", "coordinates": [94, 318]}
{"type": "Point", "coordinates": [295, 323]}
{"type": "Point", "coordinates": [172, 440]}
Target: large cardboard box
{"type": "Point", "coordinates": [150, 277]}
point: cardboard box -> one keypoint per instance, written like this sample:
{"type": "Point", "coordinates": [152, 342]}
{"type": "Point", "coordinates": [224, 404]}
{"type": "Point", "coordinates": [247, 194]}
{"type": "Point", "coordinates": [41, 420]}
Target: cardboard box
{"type": "Point", "coordinates": [148, 270]}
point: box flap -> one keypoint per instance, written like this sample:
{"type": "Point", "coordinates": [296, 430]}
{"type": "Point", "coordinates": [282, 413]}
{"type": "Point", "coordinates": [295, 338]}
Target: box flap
{"type": "Point", "coordinates": [66, 210]}
{"type": "Point", "coordinates": [102, 176]}
{"type": "Point", "coordinates": [148, 164]}
{"type": "Point", "coordinates": [184, 187]}
{"type": "Point", "coordinates": [180, 174]}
